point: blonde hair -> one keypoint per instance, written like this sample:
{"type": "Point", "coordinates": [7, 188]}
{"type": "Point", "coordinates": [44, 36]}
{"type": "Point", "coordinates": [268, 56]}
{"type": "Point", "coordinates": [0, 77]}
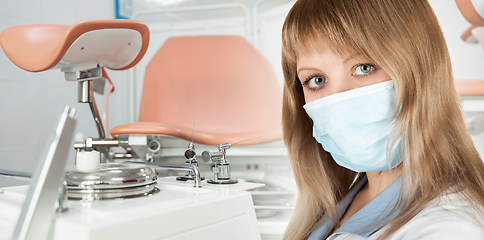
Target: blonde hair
{"type": "Point", "coordinates": [405, 40]}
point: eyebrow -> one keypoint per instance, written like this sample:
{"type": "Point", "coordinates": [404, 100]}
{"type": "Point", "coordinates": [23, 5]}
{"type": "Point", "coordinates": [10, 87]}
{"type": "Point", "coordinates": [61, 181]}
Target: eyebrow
{"type": "Point", "coordinates": [316, 69]}
{"type": "Point", "coordinates": [307, 68]}
{"type": "Point", "coordinates": [349, 58]}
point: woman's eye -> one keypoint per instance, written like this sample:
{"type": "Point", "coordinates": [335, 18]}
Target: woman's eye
{"type": "Point", "coordinates": [363, 69]}
{"type": "Point", "coordinates": [316, 81]}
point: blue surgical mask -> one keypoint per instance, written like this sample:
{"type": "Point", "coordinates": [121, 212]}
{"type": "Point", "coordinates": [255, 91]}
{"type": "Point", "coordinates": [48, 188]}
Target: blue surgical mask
{"type": "Point", "coordinates": [355, 127]}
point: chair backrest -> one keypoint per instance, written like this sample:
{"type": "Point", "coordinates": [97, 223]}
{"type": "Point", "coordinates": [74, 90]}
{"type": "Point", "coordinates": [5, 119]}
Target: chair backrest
{"type": "Point", "coordinates": [218, 85]}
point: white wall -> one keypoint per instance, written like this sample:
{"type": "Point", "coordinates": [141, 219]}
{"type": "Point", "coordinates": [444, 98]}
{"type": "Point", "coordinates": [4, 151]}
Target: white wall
{"type": "Point", "coordinates": [32, 102]}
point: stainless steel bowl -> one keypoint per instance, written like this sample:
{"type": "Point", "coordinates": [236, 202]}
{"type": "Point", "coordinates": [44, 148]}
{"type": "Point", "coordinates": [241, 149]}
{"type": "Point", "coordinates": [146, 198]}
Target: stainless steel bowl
{"type": "Point", "coordinates": [113, 180]}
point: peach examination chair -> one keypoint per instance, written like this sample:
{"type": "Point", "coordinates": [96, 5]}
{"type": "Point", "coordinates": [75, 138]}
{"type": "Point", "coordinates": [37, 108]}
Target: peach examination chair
{"type": "Point", "coordinates": [474, 15]}
{"type": "Point", "coordinates": [209, 89]}
{"type": "Point", "coordinates": [81, 51]}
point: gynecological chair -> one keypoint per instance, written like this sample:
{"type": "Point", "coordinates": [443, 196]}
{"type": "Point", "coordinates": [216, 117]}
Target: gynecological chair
{"type": "Point", "coordinates": [213, 90]}
{"type": "Point", "coordinates": [81, 51]}
{"type": "Point", "coordinates": [209, 89]}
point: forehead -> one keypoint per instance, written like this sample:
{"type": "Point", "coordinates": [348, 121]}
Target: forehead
{"type": "Point", "coordinates": [312, 46]}
{"type": "Point", "coordinates": [322, 52]}
{"type": "Point", "coordinates": [316, 57]}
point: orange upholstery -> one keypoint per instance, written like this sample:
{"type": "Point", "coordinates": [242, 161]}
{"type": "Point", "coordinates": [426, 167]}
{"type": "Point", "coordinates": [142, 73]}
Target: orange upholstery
{"type": "Point", "coordinates": [469, 12]}
{"type": "Point", "coordinates": [219, 85]}
{"type": "Point", "coordinates": [469, 87]}
{"type": "Point", "coordinates": [30, 48]}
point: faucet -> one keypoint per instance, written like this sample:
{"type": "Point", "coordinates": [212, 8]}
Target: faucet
{"type": "Point", "coordinates": [194, 169]}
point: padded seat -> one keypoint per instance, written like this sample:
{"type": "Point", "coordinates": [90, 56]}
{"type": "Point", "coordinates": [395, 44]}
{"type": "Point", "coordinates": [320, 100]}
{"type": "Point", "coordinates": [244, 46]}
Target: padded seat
{"type": "Point", "coordinates": [117, 44]}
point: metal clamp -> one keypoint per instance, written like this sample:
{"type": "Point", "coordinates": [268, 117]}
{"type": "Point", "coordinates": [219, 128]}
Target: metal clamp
{"type": "Point", "coordinates": [221, 170]}
{"type": "Point", "coordinates": [63, 203]}
{"type": "Point", "coordinates": [101, 145]}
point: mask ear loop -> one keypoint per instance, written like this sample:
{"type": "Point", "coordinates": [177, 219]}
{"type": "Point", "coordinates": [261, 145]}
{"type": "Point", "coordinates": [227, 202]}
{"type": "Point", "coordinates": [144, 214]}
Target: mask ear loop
{"type": "Point", "coordinates": [395, 135]}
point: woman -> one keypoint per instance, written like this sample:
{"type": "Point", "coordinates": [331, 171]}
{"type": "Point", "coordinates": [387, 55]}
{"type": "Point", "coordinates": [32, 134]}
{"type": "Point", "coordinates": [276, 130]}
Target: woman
{"type": "Point", "coordinates": [391, 157]}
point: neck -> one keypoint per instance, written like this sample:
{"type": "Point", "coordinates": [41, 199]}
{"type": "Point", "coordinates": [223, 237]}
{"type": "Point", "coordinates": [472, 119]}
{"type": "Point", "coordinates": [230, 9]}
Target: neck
{"type": "Point", "coordinates": [378, 181]}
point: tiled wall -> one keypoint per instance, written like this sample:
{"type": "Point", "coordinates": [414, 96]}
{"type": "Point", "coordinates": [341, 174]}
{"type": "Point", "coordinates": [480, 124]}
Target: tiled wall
{"type": "Point", "coordinates": [31, 103]}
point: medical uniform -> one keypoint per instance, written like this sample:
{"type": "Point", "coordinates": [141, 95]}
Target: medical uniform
{"type": "Point", "coordinates": [448, 217]}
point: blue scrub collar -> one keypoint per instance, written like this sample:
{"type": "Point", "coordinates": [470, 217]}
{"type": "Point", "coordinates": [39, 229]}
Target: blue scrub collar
{"type": "Point", "coordinates": [369, 219]}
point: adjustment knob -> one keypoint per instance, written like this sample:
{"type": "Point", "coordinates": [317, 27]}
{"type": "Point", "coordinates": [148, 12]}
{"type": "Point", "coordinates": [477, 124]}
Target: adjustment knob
{"type": "Point", "coordinates": [209, 157]}
{"type": "Point", "coordinates": [190, 154]}
{"type": "Point", "coordinates": [206, 157]}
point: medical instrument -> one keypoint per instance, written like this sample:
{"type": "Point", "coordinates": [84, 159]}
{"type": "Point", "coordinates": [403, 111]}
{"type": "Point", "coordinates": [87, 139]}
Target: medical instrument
{"type": "Point", "coordinates": [191, 157]}
{"type": "Point", "coordinates": [221, 168]}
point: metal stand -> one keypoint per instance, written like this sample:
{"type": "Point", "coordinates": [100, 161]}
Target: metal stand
{"type": "Point", "coordinates": [86, 95]}
{"type": "Point", "coordinates": [221, 170]}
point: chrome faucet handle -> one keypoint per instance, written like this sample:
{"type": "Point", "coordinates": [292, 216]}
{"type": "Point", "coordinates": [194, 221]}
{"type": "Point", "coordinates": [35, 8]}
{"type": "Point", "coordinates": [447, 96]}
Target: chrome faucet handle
{"type": "Point", "coordinates": [190, 152]}
{"type": "Point", "coordinates": [221, 168]}
{"type": "Point", "coordinates": [190, 155]}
